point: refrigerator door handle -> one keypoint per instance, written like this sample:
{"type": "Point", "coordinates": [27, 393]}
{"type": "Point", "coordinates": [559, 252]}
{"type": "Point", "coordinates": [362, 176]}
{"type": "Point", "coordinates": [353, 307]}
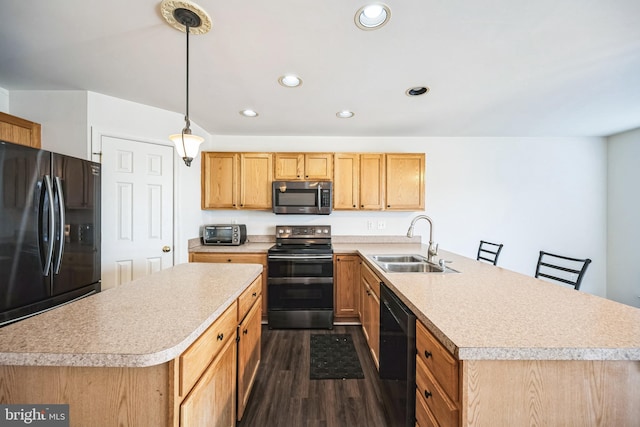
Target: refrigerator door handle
{"type": "Point", "coordinates": [52, 225]}
{"type": "Point", "coordinates": [61, 222]}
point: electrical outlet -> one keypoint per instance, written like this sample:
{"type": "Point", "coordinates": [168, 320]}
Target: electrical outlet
{"type": "Point", "coordinates": [382, 225]}
{"type": "Point", "coordinates": [370, 225]}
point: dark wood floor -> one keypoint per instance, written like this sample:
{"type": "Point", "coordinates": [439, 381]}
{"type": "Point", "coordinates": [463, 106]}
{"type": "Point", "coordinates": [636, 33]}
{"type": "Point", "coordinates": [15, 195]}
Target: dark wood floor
{"type": "Point", "coordinates": [283, 394]}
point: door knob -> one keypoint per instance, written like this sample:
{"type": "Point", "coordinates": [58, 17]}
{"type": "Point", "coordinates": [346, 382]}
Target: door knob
{"type": "Point", "coordinates": [166, 249]}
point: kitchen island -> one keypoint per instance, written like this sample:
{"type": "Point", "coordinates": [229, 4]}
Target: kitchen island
{"type": "Point", "coordinates": [140, 354]}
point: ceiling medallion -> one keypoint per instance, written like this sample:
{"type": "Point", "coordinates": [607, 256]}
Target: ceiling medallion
{"type": "Point", "coordinates": [171, 8]}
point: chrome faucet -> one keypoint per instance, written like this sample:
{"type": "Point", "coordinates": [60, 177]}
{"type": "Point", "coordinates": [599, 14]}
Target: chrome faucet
{"type": "Point", "coordinates": [432, 251]}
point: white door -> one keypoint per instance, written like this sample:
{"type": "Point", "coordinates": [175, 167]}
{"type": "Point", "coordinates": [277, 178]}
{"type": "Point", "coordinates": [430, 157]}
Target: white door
{"type": "Point", "coordinates": [137, 209]}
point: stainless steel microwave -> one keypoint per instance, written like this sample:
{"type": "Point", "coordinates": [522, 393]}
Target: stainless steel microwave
{"type": "Point", "coordinates": [224, 234]}
{"type": "Point", "coordinates": [302, 197]}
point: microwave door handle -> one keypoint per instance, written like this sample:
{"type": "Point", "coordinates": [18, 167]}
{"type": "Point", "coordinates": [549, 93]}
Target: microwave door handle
{"type": "Point", "coordinates": [319, 198]}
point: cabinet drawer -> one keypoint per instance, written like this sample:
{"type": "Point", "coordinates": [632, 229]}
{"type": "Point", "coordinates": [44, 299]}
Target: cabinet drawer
{"type": "Point", "coordinates": [424, 417]}
{"type": "Point", "coordinates": [226, 257]}
{"type": "Point", "coordinates": [248, 297]}
{"type": "Point", "coordinates": [443, 409]}
{"type": "Point", "coordinates": [196, 358]}
{"type": "Point", "coordinates": [443, 366]}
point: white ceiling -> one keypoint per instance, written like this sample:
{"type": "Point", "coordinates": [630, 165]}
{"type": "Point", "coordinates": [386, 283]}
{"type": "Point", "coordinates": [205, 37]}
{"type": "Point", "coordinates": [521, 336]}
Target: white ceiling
{"type": "Point", "coordinates": [494, 67]}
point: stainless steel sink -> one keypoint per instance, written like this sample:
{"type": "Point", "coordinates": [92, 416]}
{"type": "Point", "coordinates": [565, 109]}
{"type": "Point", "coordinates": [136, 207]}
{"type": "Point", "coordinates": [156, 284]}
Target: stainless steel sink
{"type": "Point", "coordinates": [398, 258]}
{"type": "Point", "coordinates": [408, 264]}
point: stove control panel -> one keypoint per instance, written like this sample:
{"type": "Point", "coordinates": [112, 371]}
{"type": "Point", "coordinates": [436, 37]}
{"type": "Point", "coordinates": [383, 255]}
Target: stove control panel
{"type": "Point", "coordinates": [303, 231]}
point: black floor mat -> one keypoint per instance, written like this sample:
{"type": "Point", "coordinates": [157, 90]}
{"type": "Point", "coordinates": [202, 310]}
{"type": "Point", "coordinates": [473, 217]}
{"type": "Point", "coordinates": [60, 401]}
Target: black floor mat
{"type": "Point", "coordinates": [333, 356]}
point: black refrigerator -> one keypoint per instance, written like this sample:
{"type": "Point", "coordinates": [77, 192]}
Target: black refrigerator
{"type": "Point", "coordinates": [49, 230]}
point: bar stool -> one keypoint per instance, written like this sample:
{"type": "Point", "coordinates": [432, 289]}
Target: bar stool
{"type": "Point", "coordinates": [489, 252]}
{"type": "Point", "coordinates": [562, 269]}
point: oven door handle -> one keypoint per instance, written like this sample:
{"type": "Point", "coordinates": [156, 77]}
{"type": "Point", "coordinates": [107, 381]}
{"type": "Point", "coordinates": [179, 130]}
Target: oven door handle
{"type": "Point", "coordinates": [305, 257]}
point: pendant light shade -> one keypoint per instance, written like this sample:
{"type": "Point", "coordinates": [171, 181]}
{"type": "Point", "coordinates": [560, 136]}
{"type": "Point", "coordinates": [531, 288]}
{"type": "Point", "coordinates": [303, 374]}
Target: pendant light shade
{"type": "Point", "coordinates": [187, 145]}
{"type": "Point", "coordinates": [184, 16]}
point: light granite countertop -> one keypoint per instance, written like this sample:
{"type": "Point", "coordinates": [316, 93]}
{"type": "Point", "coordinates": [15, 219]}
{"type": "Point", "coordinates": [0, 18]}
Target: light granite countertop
{"type": "Point", "coordinates": [491, 313]}
{"type": "Point", "coordinates": [146, 322]}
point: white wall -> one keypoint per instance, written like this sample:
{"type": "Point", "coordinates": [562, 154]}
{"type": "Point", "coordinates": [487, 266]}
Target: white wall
{"type": "Point", "coordinates": [125, 119]}
{"type": "Point", "coordinates": [4, 101]}
{"type": "Point", "coordinates": [62, 114]}
{"type": "Point", "coordinates": [623, 225]}
{"type": "Point", "coordinates": [531, 194]}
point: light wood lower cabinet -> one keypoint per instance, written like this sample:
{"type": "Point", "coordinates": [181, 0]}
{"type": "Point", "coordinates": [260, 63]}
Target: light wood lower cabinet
{"type": "Point", "coordinates": [212, 401]}
{"type": "Point", "coordinates": [238, 258]}
{"type": "Point", "coordinates": [436, 380]}
{"type": "Point", "coordinates": [495, 393]}
{"type": "Point", "coordinates": [347, 287]}
{"type": "Point", "coordinates": [249, 339]}
{"type": "Point", "coordinates": [370, 303]}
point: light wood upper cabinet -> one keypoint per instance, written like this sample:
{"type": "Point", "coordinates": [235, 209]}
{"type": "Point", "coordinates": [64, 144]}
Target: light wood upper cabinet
{"type": "Point", "coordinates": [256, 175]}
{"type": "Point", "coordinates": [358, 181]}
{"type": "Point", "coordinates": [346, 181]}
{"type": "Point", "coordinates": [372, 173]}
{"type": "Point", "coordinates": [219, 180]}
{"type": "Point", "coordinates": [405, 182]}
{"type": "Point", "coordinates": [304, 166]}
{"type": "Point", "coordinates": [236, 180]}
{"type": "Point", "coordinates": [20, 131]}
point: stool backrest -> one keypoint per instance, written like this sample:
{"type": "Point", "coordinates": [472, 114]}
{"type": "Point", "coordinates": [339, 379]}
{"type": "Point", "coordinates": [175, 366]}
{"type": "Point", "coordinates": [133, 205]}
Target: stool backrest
{"type": "Point", "coordinates": [562, 269]}
{"type": "Point", "coordinates": [489, 252]}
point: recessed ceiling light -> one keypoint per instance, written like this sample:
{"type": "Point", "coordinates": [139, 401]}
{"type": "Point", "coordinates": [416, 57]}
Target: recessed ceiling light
{"type": "Point", "coordinates": [345, 114]}
{"type": "Point", "coordinates": [290, 80]}
{"type": "Point", "coordinates": [416, 91]}
{"type": "Point", "coordinates": [372, 16]}
{"type": "Point", "coordinates": [249, 113]}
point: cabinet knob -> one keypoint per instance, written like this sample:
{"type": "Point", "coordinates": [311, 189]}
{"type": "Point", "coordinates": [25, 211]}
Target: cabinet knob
{"type": "Point", "coordinates": [220, 337]}
{"type": "Point", "coordinates": [255, 294]}
{"type": "Point", "coordinates": [388, 206]}
{"type": "Point", "coordinates": [354, 206]}
{"type": "Point", "coordinates": [427, 394]}
{"type": "Point", "coordinates": [245, 332]}
{"type": "Point", "coordinates": [229, 260]}
{"type": "Point", "coordinates": [427, 354]}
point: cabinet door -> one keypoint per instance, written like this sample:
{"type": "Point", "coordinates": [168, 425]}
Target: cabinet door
{"type": "Point", "coordinates": [372, 174]}
{"type": "Point", "coordinates": [289, 166]}
{"type": "Point", "coordinates": [212, 401]}
{"type": "Point", "coordinates": [346, 181]}
{"type": "Point", "coordinates": [19, 131]}
{"type": "Point", "coordinates": [318, 166]}
{"type": "Point", "coordinates": [405, 182]}
{"type": "Point", "coordinates": [256, 172]}
{"type": "Point", "coordinates": [219, 180]}
{"type": "Point", "coordinates": [249, 335]}
{"type": "Point", "coordinates": [370, 312]}
{"type": "Point", "coordinates": [347, 268]}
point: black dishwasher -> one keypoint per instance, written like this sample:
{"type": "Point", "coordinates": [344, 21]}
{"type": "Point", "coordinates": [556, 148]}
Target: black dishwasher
{"type": "Point", "coordinates": [397, 359]}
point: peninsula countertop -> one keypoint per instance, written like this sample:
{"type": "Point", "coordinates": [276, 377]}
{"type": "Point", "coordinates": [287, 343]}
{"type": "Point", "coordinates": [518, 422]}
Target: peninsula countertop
{"type": "Point", "coordinates": [145, 322]}
{"type": "Point", "coordinates": [491, 313]}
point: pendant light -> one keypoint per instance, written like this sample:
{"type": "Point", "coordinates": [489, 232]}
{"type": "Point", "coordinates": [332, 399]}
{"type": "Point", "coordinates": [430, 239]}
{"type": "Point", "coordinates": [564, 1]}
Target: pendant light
{"type": "Point", "coordinates": [188, 17]}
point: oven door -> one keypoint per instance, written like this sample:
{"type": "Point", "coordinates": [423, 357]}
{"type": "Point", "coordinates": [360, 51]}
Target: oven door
{"type": "Point", "coordinates": [300, 291]}
{"type": "Point", "coordinates": [295, 266]}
